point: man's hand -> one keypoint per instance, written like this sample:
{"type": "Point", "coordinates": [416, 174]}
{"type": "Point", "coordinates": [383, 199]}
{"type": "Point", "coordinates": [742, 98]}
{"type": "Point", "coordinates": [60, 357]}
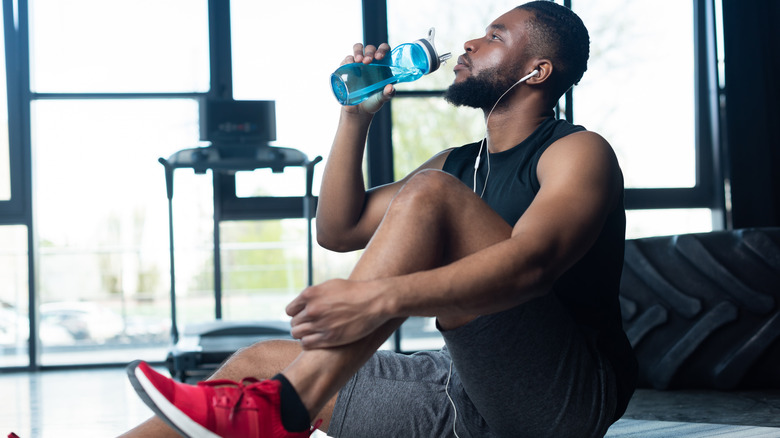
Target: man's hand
{"type": "Point", "coordinates": [366, 55]}
{"type": "Point", "coordinates": [336, 312]}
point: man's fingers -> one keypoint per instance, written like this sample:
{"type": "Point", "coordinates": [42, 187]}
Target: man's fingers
{"type": "Point", "coordinates": [358, 52]}
{"type": "Point", "coordinates": [302, 330]}
{"type": "Point", "coordinates": [312, 341]}
{"type": "Point", "coordinates": [388, 92]}
{"type": "Point", "coordinates": [367, 53]}
{"type": "Point", "coordinates": [295, 306]}
{"type": "Point", "coordinates": [382, 50]}
{"type": "Point", "coordinates": [299, 318]}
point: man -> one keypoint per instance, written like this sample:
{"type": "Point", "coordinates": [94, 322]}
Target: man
{"type": "Point", "coordinates": [517, 254]}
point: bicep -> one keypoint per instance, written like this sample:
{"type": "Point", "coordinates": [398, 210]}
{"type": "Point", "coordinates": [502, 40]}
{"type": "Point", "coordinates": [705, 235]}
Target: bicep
{"type": "Point", "coordinates": [580, 184]}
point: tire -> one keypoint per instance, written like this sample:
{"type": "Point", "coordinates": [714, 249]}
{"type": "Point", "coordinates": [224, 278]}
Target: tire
{"type": "Point", "coordinates": [703, 310]}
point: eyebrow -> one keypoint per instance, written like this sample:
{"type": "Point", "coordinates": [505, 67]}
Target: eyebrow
{"type": "Point", "coordinates": [497, 27]}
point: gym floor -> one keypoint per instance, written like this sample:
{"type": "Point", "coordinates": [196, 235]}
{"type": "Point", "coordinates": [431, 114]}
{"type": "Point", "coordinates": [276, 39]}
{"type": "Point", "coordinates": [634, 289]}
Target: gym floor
{"type": "Point", "coordinates": [101, 403]}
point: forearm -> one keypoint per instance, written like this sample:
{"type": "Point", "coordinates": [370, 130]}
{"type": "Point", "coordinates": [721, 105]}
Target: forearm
{"type": "Point", "coordinates": [342, 194]}
{"type": "Point", "coordinates": [494, 279]}
{"type": "Point", "coordinates": [581, 186]}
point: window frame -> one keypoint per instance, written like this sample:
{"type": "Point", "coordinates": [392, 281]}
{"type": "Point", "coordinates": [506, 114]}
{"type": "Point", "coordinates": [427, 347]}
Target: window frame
{"type": "Point", "coordinates": [13, 211]}
{"type": "Point", "coordinates": [18, 209]}
{"type": "Point", "coordinates": [708, 191]}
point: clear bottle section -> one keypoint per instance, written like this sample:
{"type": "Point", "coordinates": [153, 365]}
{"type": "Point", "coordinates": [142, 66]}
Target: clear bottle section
{"type": "Point", "coordinates": [354, 83]}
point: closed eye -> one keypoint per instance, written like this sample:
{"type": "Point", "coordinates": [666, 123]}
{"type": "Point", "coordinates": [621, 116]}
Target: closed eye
{"type": "Point", "coordinates": [493, 31]}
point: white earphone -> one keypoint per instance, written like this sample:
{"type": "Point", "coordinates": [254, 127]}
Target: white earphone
{"type": "Point", "coordinates": [527, 77]}
{"type": "Point", "coordinates": [479, 154]}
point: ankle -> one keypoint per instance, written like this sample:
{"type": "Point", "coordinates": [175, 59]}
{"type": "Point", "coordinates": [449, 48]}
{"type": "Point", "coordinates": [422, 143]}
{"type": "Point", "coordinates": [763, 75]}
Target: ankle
{"type": "Point", "coordinates": [295, 416]}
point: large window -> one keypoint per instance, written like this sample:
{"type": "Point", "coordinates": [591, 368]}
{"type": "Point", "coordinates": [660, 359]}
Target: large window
{"type": "Point", "coordinates": [101, 214]}
{"type": "Point", "coordinates": [14, 298]}
{"type": "Point", "coordinates": [99, 90]}
{"type": "Point", "coordinates": [101, 209]}
{"type": "Point", "coordinates": [120, 46]}
{"type": "Point", "coordinates": [285, 53]}
{"type": "Point", "coordinates": [629, 94]}
{"type": "Point", "coordinates": [646, 111]}
{"type": "Point", "coordinates": [14, 291]}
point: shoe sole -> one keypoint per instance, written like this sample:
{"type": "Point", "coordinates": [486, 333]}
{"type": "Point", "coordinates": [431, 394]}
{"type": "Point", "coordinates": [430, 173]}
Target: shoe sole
{"type": "Point", "coordinates": [164, 409]}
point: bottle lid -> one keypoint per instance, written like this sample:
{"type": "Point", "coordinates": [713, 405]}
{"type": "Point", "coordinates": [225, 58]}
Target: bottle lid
{"type": "Point", "coordinates": [434, 59]}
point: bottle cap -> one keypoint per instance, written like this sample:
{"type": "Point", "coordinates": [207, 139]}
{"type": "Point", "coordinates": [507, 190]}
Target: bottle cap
{"type": "Point", "coordinates": [434, 59]}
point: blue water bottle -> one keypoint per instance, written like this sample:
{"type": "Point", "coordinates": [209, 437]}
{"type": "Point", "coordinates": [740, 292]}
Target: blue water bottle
{"type": "Point", "coordinates": [354, 83]}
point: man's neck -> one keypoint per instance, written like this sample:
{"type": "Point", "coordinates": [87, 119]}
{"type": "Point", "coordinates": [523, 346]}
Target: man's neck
{"type": "Point", "coordinates": [508, 127]}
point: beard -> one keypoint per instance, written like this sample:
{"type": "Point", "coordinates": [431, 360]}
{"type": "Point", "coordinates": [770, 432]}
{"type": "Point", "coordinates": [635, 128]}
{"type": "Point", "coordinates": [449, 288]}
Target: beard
{"type": "Point", "coordinates": [481, 91]}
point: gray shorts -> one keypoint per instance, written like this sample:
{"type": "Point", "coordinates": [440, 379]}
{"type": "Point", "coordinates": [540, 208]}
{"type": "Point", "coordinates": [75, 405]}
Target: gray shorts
{"type": "Point", "coordinates": [525, 372]}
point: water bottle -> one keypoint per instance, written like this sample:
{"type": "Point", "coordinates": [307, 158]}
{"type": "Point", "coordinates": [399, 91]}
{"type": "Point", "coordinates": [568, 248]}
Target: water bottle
{"type": "Point", "coordinates": [354, 83]}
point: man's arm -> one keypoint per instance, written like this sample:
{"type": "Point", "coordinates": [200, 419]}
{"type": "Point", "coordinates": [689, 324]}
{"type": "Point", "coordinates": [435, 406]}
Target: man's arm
{"type": "Point", "coordinates": [580, 183]}
{"type": "Point", "coordinates": [347, 214]}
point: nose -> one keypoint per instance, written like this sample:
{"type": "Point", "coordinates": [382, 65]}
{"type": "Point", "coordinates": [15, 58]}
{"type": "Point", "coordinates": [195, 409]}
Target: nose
{"type": "Point", "coordinates": [470, 45]}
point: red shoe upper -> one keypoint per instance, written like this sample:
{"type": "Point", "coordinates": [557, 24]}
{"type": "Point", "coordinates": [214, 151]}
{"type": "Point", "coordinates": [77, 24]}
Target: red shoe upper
{"type": "Point", "coordinates": [229, 409]}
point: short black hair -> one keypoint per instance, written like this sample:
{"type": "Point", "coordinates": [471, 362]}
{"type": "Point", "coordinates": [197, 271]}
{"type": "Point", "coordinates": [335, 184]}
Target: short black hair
{"type": "Point", "coordinates": [559, 34]}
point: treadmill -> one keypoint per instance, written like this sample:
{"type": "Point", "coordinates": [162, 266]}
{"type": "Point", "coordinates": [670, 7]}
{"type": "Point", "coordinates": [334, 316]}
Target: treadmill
{"type": "Point", "coordinates": [239, 133]}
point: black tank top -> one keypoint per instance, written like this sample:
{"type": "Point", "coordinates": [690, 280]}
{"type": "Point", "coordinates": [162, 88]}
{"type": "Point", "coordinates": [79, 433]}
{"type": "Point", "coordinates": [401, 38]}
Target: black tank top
{"type": "Point", "coordinates": [589, 289]}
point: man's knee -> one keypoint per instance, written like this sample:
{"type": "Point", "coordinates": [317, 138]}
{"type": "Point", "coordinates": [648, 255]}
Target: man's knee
{"type": "Point", "coordinates": [433, 179]}
{"type": "Point", "coordinates": [429, 187]}
{"type": "Point", "coordinates": [262, 360]}
{"type": "Point", "coordinates": [278, 351]}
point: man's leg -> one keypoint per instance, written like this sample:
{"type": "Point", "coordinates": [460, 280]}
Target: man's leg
{"type": "Point", "coordinates": [434, 220]}
{"type": "Point", "coordinates": [261, 361]}
{"type": "Point", "coordinates": [527, 369]}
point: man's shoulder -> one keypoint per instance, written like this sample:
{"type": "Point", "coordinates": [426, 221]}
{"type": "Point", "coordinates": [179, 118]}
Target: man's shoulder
{"type": "Point", "coordinates": [463, 151]}
{"type": "Point", "coordinates": [571, 140]}
{"type": "Point", "coordinates": [583, 153]}
{"type": "Point", "coordinates": [582, 139]}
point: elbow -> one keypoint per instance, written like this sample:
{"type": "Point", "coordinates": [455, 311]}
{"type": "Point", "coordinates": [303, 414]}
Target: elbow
{"type": "Point", "coordinates": [330, 244]}
{"type": "Point", "coordinates": [335, 241]}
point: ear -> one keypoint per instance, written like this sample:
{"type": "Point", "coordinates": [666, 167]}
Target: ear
{"type": "Point", "coordinates": [544, 67]}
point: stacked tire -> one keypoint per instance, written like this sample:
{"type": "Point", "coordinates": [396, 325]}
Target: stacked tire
{"type": "Point", "coordinates": [703, 310]}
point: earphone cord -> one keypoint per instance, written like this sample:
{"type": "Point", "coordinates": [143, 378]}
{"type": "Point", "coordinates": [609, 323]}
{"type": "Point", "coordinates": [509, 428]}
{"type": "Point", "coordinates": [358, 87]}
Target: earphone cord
{"type": "Point", "coordinates": [476, 166]}
{"type": "Point", "coordinates": [447, 391]}
{"type": "Point", "coordinates": [482, 144]}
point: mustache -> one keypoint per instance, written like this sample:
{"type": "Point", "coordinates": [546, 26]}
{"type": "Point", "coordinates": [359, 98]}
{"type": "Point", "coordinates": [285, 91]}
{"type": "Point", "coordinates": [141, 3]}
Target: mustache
{"type": "Point", "coordinates": [466, 59]}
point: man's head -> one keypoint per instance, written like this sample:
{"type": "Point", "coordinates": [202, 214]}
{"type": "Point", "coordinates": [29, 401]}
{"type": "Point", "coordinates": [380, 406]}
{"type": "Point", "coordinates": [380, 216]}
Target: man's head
{"type": "Point", "coordinates": [557, 33]}
{"type": "Point", "coordinates": [537, 35]}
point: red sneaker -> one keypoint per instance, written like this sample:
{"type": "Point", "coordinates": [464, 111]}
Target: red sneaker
{"type": "Point", "coordinates": [213, 409]}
